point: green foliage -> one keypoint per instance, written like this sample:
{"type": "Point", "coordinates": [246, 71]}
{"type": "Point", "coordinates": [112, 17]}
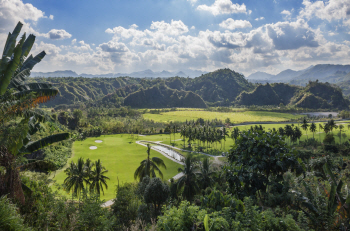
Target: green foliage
{"type": "Point", "coordinates": [187, 183]}
{"type": "Point", "coordinates": [9, 218]}
{"type": "Point", "coordinates": [329, 139]}
{"type": "Point", "coordinates": [156, 193]}
{"type": "Point", "coordinates": [161, 96]}
{"type": "Point", "coordinates": [257, 156]}
{"type": "Point", "coordinates": [190, 217]}
{"type": "Point", "coordinates": [253, 220]}
{"type": "Point", "coordinates": [125, 206]}
{"type": "Point", "coordinates": [149, 166]}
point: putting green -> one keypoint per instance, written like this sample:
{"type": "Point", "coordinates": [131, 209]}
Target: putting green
{"type": "Point", "coordinates": [120, 155]}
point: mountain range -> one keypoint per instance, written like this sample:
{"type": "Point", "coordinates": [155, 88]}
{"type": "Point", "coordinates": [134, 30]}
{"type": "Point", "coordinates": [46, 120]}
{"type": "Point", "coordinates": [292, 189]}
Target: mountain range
{"type": "Point", "coordinates": [138, 74]}
{"type": "Point", "coordinates": [323, 72]}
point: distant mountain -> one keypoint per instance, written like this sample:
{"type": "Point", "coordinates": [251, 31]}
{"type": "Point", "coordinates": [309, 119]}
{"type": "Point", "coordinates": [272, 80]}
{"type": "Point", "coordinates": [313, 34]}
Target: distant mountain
{"type": "Point", "coordinates": [260, 76]}
{"type": "Point", "coordinates": [324, 73]}
{"type": "Point", "coordinates": [66, 73]}
{"type": "Point", "coordinates": [138, 74]}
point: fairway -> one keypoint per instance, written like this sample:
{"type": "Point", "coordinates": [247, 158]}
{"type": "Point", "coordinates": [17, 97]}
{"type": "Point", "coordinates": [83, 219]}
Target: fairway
{"type": "Point", "coordinates": [235, 117]}
{"type": "Point", "coordinates": [120, 155]}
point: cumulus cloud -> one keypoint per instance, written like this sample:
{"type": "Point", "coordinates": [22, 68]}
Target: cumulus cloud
{"type": "Point", "coordinates": [292, 35]}
{"type": "Point", "coordinates": [232, 24]}
{"type": "Point", "coordinates": [286, 12]}
{"type": "Point", "coordinates": [174, 28]}
{"type": "Point", "coordinates": [51, 17]}
{"type": "Point", "coordinates": [259, 19]}
{"type": "Point", "coordinates": [113, 47]}
{"type": "Point", "coordinates": [58, 34]}
{"type": "Point", "coordinates": [223, 7]}
{"type": "Point", "coordinates": [331, 10]}
{"type": "Point", "coordinates": [74, 41]}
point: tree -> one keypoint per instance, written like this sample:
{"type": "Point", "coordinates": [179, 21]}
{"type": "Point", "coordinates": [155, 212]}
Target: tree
{"type": "Point", "coordinates": [341, 127]}
{"type": "Point", "coordinates": [76, 177]}
{"type": "Point", "coordinates": [156, 193]}
{"type": "Point", "coordinates": [188, 181]}
{"type": "Point", "coordinates": [97, 179]}
{"type": "Point", "coordinates": [149, 166]}
{"type": "Point", "coordinates": [305, 126]}
{"type": "Point", "coordinates": [235, 133]}
{"type": "Point", "coordinates": [206, 173]}
{"type": "Point", "coordinates": [313, 128]}
{"type": "Point", "coordinates": [19, 119]}
{"type": "Point", "coordinates": [320, 126]}
{"type": "Point", "coordinates": [255, 157]}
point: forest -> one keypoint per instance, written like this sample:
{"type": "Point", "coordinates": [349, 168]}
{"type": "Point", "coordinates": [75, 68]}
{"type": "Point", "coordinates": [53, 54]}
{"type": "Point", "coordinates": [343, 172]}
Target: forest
{"type": "Point", "coordinates": [80, 153]}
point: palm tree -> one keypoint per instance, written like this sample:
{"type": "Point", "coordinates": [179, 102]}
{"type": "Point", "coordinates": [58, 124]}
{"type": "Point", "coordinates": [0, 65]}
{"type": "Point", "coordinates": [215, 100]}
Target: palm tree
{"type": "Point", "coordinates": [313, 129]}
{"type": "Point", "coordinates": [305, 126]}
{"type": "Point", "coordinates": [341, 127]}
{"type": "Point", "coordinates": [235, 133]}
{"type": "Point", "coordinates": [188, 182]}
{"type": "Point", "coordinates": [320, 126]}
{"type": "Point", "coordinates": [206, 174]}
{"type": "Point", "coordinates": [77, 178]}
{"type": "Point", "coordinates": [98, 178]}
{"type": "Point", "coordinates": [149, 166]}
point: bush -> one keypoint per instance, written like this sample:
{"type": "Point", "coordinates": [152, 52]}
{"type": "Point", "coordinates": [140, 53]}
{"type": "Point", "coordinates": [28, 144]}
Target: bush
{"type": "Point", "coordinates": [329, 139]}
{"type": "Point", "coordinates": [9, 218]}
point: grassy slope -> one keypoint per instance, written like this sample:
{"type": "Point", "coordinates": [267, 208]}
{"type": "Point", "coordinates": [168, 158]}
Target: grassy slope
{"type": "Point", "coordinates": [235, 117]}
{"type": "Point", "coordinates": [119, 156]}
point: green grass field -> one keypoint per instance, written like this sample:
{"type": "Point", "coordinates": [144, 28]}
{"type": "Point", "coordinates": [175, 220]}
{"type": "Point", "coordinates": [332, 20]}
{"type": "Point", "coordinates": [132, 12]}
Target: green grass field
{"type": "Point", "coordinates": [120, 155]}
{"type": "Point", "coordinates": [319, 135]}
{"type": "Point", "coordinates": [235, 117]}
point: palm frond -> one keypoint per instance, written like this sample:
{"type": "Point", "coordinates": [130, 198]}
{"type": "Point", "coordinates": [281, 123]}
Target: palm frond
{"type": "Point", "coordinates": [34, 146]}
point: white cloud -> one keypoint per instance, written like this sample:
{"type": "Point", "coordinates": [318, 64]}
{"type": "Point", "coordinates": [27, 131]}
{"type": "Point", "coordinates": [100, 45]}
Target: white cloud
{"type": "Point", "coordinates": [332, 33]}
{"type": "Point", "coordinates": [112, 47]}
{"type": "Point", "coordinates": [193, 27]}
{"type": "Point", "coordinates": [223, 7]}
{"type": "Point", "coordinates": [331, 10]}
{"type": "Point", "coordinates": [58, 34]}
{"type": "Point", "coordinates": [51, 17]}
{"type": "Point", "coordinates": [286, 12]}
{"type": "Point", "coordinates": [259, 19]}
{"type": "Point", "coordinates": [174, 28]}
{"type": "Point", "coordinates": [232, 24]}
{"type": "Point", "coordinates": [74, 41]}
{"type": "Point", "coordinates": [192, 1]}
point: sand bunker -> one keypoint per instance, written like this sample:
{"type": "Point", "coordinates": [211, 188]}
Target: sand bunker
{"type": "Point", "coordinates": [93, 147]}
{"type": "Point", "coordinates": [98, 141]}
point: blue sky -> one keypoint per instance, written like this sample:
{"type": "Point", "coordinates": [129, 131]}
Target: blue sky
{"type": "Point", "coordinates": [107, 36]}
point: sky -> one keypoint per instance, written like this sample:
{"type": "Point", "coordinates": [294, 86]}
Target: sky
{"type": "Point", "coordinates": [118, 36]}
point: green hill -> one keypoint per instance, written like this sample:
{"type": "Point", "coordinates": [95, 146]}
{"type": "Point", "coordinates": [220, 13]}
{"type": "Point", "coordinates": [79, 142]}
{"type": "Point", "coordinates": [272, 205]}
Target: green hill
{"type": "Point", "coordinates": [219, 86]}
{"type": "Point", "coordinates": [161, 96]}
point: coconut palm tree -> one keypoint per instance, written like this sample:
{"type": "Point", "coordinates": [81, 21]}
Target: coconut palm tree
{"type": "Point", "coordinates": [188, 182]}
{"type": "Point", "coordinates": [98, 180]}
{"type": "Point", "coordinates": [305, 126]}
{"type": "Point", "coordinates": [313, 129]}
{"type": "Point", "coordinates": [149, 166]}
{"type": "Point", "coordinates": [77, 179]}
{"type": "Point", "coordinates": [206, 174]}
{"type": "Point", "coordinates": [341, 127]}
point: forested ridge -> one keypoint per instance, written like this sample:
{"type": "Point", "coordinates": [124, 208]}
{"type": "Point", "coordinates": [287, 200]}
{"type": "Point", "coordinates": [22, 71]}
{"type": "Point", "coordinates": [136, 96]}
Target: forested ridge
{"type": "Point", "coordinates": [223, 87]}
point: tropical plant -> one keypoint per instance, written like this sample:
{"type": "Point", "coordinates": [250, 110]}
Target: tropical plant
{"type": "Point", "coordinates": [9, 218]}
{"type": "Point", "coordinates": [17, 101]}
{"type": "Point", "coordinates": [149, 166]}
{"type": "Point", "coordinates": [341, 127]}
{"type": "Point", "coordinates": [97, 178]}
{"type": "Point", "coordinates": [206, 173]}
{"type": "Point", "coordinates": [313, 128]}
{"type": "Point", "coordinates": [188, 181]}
{"type": "Point", "coordinates": [255, 157]}
{"type": "Point", "coordinates": [156, 193]}
{"type": "Point", "coordinates": [77, 179]}
{"type": "Point", "coordinates": [305, 126]}
{"type": "Point", "coordinates": [235, 133]}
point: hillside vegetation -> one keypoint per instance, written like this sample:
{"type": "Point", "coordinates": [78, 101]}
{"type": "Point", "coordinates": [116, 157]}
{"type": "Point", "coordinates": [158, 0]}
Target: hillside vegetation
{"type": "Point", "coordinates": [223, 87]}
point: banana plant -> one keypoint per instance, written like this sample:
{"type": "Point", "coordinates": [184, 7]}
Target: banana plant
{"type": "Point", "coordinates": [15, 67]}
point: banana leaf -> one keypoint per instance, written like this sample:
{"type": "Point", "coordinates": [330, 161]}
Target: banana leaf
{"type": "Point", "coordinates": [19, 78]}
{"type": "Point", "coordinates": [36, 145]}
{"type": "Point", "coordinates": [27, 46]}
{"type": "Point", "coordinates": [31, 62]}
